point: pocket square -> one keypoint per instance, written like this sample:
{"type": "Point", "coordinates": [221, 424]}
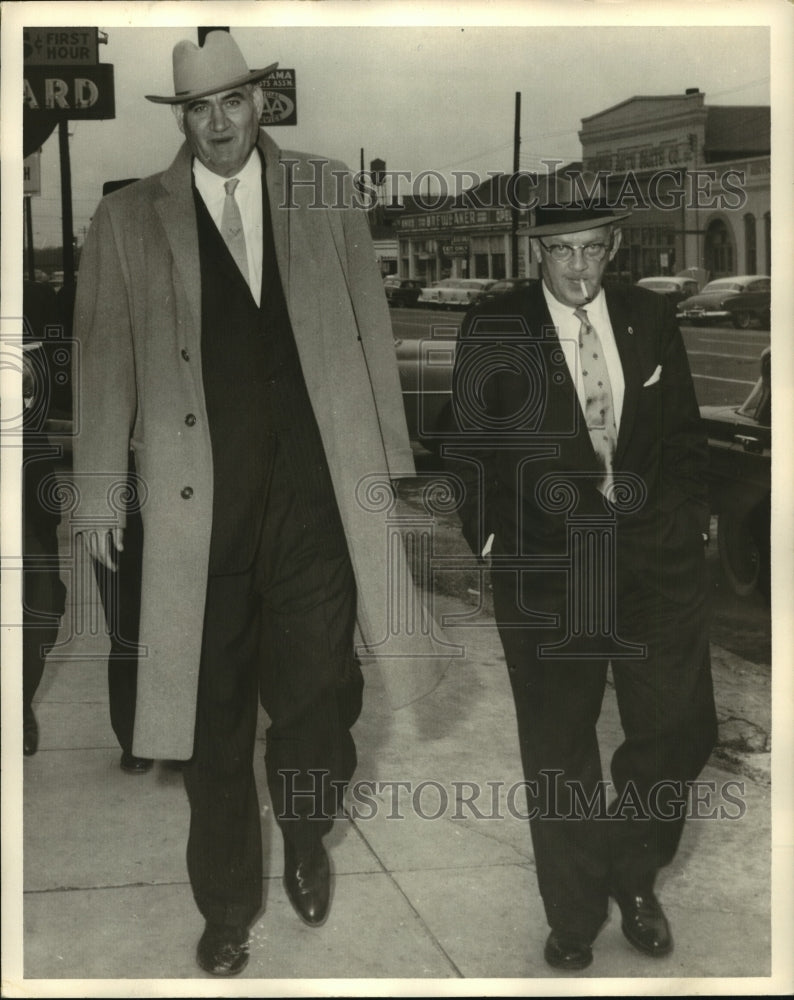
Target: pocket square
{"type": "Point", "coordinates": [657, 374]}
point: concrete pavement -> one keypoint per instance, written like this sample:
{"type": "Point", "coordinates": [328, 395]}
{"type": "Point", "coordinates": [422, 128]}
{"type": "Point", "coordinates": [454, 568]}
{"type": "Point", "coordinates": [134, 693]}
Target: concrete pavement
{"type": "Point", "coordinates": [434, 883]}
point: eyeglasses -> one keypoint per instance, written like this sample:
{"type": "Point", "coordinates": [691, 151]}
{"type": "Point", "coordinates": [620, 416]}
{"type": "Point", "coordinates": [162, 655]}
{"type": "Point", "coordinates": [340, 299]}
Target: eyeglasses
{"type": "Point", "coordinates": [562, 252]}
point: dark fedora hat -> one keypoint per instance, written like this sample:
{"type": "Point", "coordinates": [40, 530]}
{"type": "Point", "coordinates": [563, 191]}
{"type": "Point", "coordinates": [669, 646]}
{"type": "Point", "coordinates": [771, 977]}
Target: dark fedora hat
{"type": "Point", "coordinates": [556, 219]}
{"type": "Point", "coordinates": [215, 66]}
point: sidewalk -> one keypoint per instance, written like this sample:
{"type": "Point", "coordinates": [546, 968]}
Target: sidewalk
{"type": "Point", "coordinates": [106, 894]}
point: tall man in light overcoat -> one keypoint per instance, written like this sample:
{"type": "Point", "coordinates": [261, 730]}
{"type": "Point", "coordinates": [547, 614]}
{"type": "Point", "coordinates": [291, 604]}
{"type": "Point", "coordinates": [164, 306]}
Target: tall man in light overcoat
{"type": "Point", "coordinates": [236, 337]}
{"type": "Point", "coordinates": [580, 445]}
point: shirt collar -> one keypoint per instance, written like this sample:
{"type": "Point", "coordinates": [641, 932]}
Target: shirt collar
{"type": "Point", "coordinates": [559, 309]}
{"type": "Point", "coordinates": [249, 175]}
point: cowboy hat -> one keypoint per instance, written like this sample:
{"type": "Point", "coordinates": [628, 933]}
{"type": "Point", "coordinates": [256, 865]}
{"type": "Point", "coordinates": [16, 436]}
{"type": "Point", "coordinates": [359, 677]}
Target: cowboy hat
{"type": "Point", "coordinates": [556, 220]}
{"type": "Point", "coordinates": [218, 65]}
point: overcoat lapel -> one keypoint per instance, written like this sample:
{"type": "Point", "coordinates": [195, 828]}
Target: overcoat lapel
{"type": "Point", "coordinates": [178, 215]}
{"type": "Point", "coordinates": [562, 398]}
{"type": "Point", "coordinates": [625, 339]}
{"type": "Point", "coordinates": [278, 194]}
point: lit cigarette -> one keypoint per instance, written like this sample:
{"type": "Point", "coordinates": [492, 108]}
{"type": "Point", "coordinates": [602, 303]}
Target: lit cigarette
{"type": "Point", "coordinates": [584, 289]}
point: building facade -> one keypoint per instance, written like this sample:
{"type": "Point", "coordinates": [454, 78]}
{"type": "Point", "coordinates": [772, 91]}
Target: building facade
{"type": "Point", "coordinates": [695, 177]}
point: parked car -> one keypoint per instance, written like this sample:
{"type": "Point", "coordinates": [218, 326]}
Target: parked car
{"type": "Point", "coordinates": [401, 291]}
{"type": "Point", "coordinates": [503, 287]}
{"type": "Point", "coordinates": [453, 293]}
{"type": "Point", "coordinates": [740, 483]}
{"type": "Point", "coordinates": [425, 367]}
{"type": "Point", "coordinates": [674, 288]}
{"type": "Point", "coordinates": [739, 300]}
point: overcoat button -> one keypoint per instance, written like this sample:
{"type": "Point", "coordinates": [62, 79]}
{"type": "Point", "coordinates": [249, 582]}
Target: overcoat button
{"type": "Point", "coordinates": [187, 492]}
{"type": "Point", "coordinates": [190, 419]}
{"type": "Point", "coordinates": [185, 355]}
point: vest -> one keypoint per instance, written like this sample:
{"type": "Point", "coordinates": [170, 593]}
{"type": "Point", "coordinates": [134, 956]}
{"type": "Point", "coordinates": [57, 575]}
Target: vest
{"type": "Point", "coordinates": [262, 427]}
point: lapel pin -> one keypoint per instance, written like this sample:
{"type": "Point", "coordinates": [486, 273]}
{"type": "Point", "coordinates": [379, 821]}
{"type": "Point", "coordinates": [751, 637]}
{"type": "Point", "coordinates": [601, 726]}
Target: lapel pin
{"type": "Point", "coordinates": [631, 329]}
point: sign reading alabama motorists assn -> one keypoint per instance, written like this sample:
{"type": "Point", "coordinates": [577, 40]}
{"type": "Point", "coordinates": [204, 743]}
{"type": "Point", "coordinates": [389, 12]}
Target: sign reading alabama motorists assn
{"type": "Point", "coordinates": [60, 46]}
{"type": "Point", "coordinates": [80, 92]}
{"type": "Point", "coordinates": [281, 102]}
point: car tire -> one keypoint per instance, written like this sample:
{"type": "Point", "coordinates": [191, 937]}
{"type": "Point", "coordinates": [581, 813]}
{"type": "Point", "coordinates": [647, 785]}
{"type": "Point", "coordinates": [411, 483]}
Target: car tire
{"type": "Point", "coordinates": [742, 319]}
{"type": "Point", "coordinates": [743, 545]}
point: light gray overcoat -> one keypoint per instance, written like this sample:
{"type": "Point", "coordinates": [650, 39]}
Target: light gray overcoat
{"type": "Point", "coordinates": [137, 320]}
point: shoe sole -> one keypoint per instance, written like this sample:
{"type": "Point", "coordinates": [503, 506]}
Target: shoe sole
{"type": "Point", "coordinates": [570, 966]}
{"type": "Point", "coordinates": [222, 975]}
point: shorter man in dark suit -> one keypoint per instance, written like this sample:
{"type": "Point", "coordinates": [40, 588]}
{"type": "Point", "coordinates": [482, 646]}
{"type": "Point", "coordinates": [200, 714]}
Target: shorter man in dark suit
{"type": "Point", "coordinates": [582, 453]}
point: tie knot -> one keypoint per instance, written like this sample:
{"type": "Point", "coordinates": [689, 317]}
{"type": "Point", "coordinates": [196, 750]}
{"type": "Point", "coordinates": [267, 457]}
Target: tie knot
{"type": "Point", "coordinates": [581, 314]}
{"type": "Point", "coordinates": [231, 185]}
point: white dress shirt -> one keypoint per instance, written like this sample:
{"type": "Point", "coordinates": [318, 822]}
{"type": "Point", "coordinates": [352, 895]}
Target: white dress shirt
{"type": "Point", "coordinates": [249, 199]}
{"type": "Point", "coordinates": [568, 326]}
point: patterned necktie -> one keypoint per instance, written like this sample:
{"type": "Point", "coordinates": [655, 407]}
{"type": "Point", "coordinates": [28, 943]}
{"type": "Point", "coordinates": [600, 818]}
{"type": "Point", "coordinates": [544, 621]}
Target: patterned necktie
{"type": "Point", "coordinates": [232, 228]}
{"type": "Point", "coordinates": [598, 411]}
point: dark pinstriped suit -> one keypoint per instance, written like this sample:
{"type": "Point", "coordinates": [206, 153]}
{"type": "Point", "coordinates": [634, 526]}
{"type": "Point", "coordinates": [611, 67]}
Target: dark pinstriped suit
{"type": "Point", "coordinates": [281, 594]}
{"type": "Point", "coordinates": [530, 472]}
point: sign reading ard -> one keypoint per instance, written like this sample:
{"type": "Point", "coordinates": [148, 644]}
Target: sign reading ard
{"type": "Point", "coordinates": [281, 103]}
{"type": "Point", "coordinates": [60, 46]}
{"type": "Point", "coordinates": [80, 92]}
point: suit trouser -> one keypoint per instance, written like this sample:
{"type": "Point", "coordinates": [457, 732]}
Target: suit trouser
{"type": "Point", "coordinates": [120, 592]}
{"type": "Point", "coordinates": [282, 634]}
{"type": "Point", "coordinates": [667, 713]}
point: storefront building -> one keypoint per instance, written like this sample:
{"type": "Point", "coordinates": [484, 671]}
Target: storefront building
{"type": "Point", "coordinates": [696, 179]}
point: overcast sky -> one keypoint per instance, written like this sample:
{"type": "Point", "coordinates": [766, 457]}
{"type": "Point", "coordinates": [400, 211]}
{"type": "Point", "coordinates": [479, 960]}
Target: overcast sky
{"type": "Point", "coordinates": [419, 97]}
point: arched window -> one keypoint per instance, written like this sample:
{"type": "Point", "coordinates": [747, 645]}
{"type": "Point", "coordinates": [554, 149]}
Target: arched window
{"type": "Point", "coordinates": [719, 250]}
{"type": "Point", "coordinates": [750, 255]}
{"type": "Point", "coordinates": [767, 243]}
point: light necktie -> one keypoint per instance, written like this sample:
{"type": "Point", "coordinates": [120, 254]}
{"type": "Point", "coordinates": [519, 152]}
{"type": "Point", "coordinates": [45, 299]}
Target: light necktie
{"type": "Point", "coordinates": [232, 228]}
{"type": "Point", "coordinates": [598, 411]}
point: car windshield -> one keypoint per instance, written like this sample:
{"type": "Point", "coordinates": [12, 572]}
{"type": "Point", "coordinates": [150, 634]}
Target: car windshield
{"type": "Point", "coordinates": [723, 285]}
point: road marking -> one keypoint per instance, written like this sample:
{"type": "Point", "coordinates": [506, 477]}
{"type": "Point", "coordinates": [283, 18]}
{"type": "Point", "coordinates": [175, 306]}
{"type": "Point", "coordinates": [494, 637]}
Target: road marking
{"type": "Point", "coordinates": [716, 378]}
{"type": "Point", "coordinates": [717, 354]}
{"type": "Point", "coordinates": [714, 340]}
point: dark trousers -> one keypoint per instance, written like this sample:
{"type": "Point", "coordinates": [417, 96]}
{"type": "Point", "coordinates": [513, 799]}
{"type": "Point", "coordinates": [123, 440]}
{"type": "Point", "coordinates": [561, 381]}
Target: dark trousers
{"type": "Point", "coordinates": [280, 634]}
{"type": "Point", "coordinates": [667, 713]}
{"type": "Point", "coordinates": [120, 592]}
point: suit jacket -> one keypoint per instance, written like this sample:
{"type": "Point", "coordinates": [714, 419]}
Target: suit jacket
{"type": "Point", "coordinates": [138, 324]}
{"type": "Point", "coordinates": [524, 454]}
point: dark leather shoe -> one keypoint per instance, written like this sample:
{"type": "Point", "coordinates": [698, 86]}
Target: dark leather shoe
{"type": "Point", "coordinates": [307, 881]}
{"type": "Point", "coordinates": [223, 951]}
{"type": "Point", "coordinates": [567, 951]}
{"type": "Point", "coordinates": [644, 923]}
{"type": "Point", "coordinates": [135, 765]}
{"type": "Point", "coordinates": [30, 732]}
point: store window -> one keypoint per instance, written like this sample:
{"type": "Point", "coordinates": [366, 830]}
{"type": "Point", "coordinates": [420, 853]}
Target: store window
{"type": "Point", "coordinates": [767, 243]}
{"type": "Point", "coordinates": [750, 255]}
{"type": "Point", "coordinates": [480, 265]}
{"type": "Point", "coordinates": [719, 254]}
{"type": "Point", "coordinates": [645, 251]}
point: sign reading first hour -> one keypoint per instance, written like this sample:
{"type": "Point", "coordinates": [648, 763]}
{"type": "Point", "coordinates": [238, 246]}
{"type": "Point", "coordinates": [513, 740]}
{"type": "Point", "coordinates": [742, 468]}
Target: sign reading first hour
{"type": "Point", "coordinates": [60, 46]}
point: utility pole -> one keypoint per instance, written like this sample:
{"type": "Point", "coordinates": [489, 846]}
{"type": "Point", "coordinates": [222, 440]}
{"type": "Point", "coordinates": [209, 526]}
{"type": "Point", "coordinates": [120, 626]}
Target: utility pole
{"type": "Point", "coordinates": [31, 257]}
{"type": "Point", "coordinates": [514, 209]}
{"type": "Point", "coordinates": [66, 203]}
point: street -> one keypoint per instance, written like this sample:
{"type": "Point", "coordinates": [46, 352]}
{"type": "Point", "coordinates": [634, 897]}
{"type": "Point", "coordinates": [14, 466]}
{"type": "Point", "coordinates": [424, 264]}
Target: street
{"type": "Point", "coordinates": [724, 360]}
{"type": "Point", "coordinates": [725, 366]}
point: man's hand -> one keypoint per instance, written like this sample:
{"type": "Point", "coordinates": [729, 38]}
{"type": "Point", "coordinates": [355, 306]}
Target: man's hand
{"type": "Point", "coordinates": [103, 545]}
